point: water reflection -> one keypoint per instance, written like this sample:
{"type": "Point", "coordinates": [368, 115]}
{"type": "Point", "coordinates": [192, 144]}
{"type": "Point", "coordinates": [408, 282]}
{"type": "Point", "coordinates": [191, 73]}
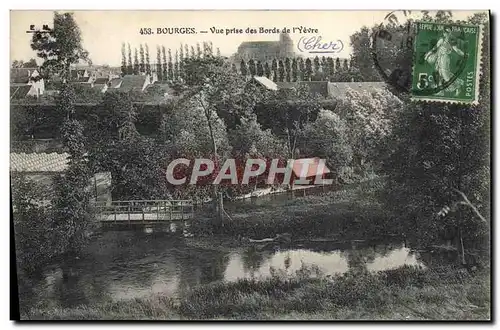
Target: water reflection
{"type": "Point", "coordinates": [124, 265]}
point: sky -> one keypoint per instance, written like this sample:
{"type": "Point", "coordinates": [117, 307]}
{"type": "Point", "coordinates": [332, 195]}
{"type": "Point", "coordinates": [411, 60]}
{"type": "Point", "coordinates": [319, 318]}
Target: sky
{"type": "Point", "coordinates": [104, 31]}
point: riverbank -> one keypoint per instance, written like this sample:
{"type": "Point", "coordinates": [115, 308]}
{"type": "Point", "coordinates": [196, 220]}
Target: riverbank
{"type": "Point", "coordinates": [406, 293]}
{"type": "Point", "coordinates": [354, 212]}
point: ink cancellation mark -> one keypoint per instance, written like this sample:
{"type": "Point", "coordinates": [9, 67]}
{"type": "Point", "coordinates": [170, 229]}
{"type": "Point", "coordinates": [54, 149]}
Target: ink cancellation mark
{"type": "Point", "coordinates": [446, 63]}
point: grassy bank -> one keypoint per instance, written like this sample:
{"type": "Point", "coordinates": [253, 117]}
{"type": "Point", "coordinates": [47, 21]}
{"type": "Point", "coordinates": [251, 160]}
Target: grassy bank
{"type": "Point", "coordinates": [405, 293]}
{"type": "Point", "coordinates": [353, 211]}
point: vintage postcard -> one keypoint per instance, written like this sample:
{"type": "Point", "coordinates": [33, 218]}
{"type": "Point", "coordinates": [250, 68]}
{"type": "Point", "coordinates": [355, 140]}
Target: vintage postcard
{"type": "Point", "coordinates": [250, 165]}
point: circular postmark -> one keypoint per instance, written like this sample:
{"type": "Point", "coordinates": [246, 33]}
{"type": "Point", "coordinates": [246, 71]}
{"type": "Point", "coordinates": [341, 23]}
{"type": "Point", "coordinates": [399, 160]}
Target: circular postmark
{"type": "Point", "coordinates": [397, 46]}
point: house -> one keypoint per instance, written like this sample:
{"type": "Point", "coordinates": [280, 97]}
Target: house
{"type": "Point", "coordinates": [115, 83]}
{"type": "Point", "coordinates": [316, 168]}
{"type": "Point", "coordinates": [43, 167]}
{"type": "Point", "coordinates": [20, 77]}
{"type": "Point", "coordinates": [135, 83]}
{"type": "Point", "coordinates": [76, 74]}
{"type": "Point", "coordinates": [101, 84]}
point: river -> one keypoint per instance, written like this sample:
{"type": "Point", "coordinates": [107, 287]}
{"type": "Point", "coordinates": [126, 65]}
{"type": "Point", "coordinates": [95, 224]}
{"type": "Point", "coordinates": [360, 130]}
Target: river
{"type": "Point", "coordinates": [135, 264]}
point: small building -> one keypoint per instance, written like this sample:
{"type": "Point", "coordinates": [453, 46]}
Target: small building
{"type": "Point", "coordinates": [43, 167]}
{"type": "Point", "coordinates": [101, 84]}
{"type": "Point", "coordinates": [314, 169]}
{"type": "Point", "coordinates": [22, 77]}
{"type": "Point", "coordinates": [115, 83]}
{"type": "Point", "coordinates": [264, 82]}
{"type": "Point", "coordinates": [79, 73]}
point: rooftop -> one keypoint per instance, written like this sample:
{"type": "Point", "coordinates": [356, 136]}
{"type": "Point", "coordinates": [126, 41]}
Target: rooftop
{"type": "Point", "coordinates": [19, 91]}
{"type": "Point", "coordinates": [314, 168]}
{"type": "Point", "coordinates": [115, 82]}
{"type": "Point", "coordinates": [267, 83]}
{"type": "Point", "coordinates": [39, 162]}
{"type": "Point", "coordinates": [132, 82]}
{"type": "Point", "coordinates": [101, 81]}
{"type": "Point", "coordinates": [339, 89]}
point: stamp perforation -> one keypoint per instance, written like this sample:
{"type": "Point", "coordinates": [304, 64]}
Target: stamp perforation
{"type": "Point", "coordinates": [478, 70]}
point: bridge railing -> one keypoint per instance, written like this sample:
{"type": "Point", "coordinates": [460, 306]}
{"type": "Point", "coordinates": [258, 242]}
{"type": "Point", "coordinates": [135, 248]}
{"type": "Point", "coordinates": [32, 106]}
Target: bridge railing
{"type": "Point", "coordinates": [147, 209]}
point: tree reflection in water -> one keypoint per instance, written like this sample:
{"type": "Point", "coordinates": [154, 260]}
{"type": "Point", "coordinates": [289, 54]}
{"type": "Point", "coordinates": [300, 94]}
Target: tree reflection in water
{"type": "Point", "coordinates": [252, 259]}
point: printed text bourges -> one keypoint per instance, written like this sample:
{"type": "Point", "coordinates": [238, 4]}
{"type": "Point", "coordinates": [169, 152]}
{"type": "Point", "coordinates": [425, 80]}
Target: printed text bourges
{"type": "Point", "coordinates": [226, 31]}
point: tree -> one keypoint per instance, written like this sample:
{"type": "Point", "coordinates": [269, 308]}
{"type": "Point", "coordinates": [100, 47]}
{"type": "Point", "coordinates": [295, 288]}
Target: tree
{"type": "Point", "coordinates": [281, 71]}
{"type": "Point", "coordinates": [176, 66]}
{"type": "Point", "coordinates": [345, 65]}
{"type": "Point", "coordinates": [148, 64]}
{"type": "Point", "coordinates": [171, 73]}
{"type": "Point", "coordinates": [248, 137]}
{"type": "Point", "coordinates": [286, 112]}
{"type": "Point", "coordinates": [370, 118]}
{"type": "Point", "coordinates": [33, 225]}
{"type": "Point", "coordinates": [212, 85]}
{"type": "Point", "coordinates": [159, 70]}
{"type": "Point", "coordinates": [301, 69]}
{"type": "Point", "coordinates": [439, 162]}
{"type": "Point", "coordinates": [218, 52]}
{"type": "Point", "coordinates": [361, 55]}
{"type": "Point", "coordinates": [181, 54]}
{"type": "Point", "coordinates": [260, 69]}
{"type": "Point", "coordinates": [17, 64]}
{"type": "Point", "coordinates": [72, 197]}
{"type": "Point", "coordinates": [124, 60]}
{"type": "Point", "coordinates": [137, 67]}
{"type": "Point", "coordinates": [234, 68]}
{"type": "Point", "coordinates": [274, 67]}
{"type": "Point", "coordinates": [198, 50]}
{"type": "Point", "coordinates": [267, 70]}
{"type": "Point", "coordinates": [72, 214]}
{"type": "Point", "coordinates": [20, 64]}
{"type": "Point", "coordinates": [251, 67]}
{"type": "Point", "coordinates": [130, 67]}
{"type": "Point", "coordinates": [308, 70]}
{"type": "Point", "coordinates": [295, 73]}
{"type": "Point", "coordinates": [166, 67]}
{"type": "Point", "coordinates": [328, 138]}
{"type": "Point", "coordinates": [61, 46]}
{"type": "Point", "coordinates": [193, 53]}
{"type": "Point", "coordinates": [243, 68]}
{"type": "Point", "coordinates": [324, 66]}
{"type": "Point", "coordinates": [30, 64]}
{"type": "Point", "coordinates": [142, 64]}
{"type": "Point", "coordinates": [330, 68]}
{"type": "Point", "coordinates": [288, 70]}
{"type": "Point", "coordinates": [317, 68]}
{"type": "Point", "coordinates": [114, 122]}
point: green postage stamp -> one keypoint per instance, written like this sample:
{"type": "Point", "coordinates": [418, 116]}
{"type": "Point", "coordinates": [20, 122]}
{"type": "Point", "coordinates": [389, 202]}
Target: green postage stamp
{"type": "Point", "coordinates": [446, 65]}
